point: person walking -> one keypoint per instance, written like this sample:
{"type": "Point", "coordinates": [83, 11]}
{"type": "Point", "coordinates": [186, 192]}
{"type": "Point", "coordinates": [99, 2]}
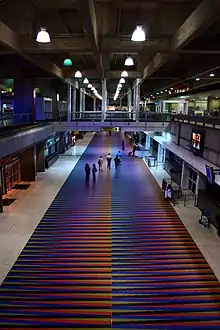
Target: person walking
{"type": "Point", "coordinates": [94, 170]}
{"type": "Point", "coordinates": [117, 162]}
{"type": "Point", "coordinates": [100, 163]}
{"type": "Point", "coordinates": [119, 155]}
{"type": "Point", "coordinates": [109, 160]}
{"type": "Point", "coordinates": [87, 171]}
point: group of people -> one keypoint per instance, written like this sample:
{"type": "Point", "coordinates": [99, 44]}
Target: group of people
{"type": "Point", "coordinates": [94, 170]}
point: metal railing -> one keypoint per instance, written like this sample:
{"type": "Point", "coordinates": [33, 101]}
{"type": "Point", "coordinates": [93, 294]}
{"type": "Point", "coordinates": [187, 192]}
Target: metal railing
{"type": "Point", "coordinates": [113, 116]}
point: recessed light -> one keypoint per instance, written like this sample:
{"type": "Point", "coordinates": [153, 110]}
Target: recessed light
{"type": "Point", "coordinates": [212, 75]}
{"type": "Point", "coordinates": [197, 79]}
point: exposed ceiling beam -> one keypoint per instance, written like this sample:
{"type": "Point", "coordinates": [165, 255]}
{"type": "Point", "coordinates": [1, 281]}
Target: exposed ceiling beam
{"type": "Point", "coordinates": [10, 39]}
{"type": "Point", "coordinates": [204, 15]}
{"type": "Point", "coordinates": [86, 10]}
{"type": "Point", "coordinates": [198, 69]}
{"type": "Point", "coordinates": [81, 45]}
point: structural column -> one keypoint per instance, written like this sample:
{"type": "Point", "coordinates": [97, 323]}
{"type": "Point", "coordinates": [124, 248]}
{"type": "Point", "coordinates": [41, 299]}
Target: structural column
{"type": "Point", "coordinates": [81, 101]}
{"type": "Point", "coordinates": [137, 99]}
{"type": "Point", "coordinates": [94, 104]}
{"type": "Point", "coordinates": [104, 99]}
{"type": "Point", "coordinates": [28, 164]}
{"type": "Point", "coordinates": [24, 108]}
{"type": "Point", "coordinates": [40, 157]}
{"type": "Point", "coordinates": [74, 103]}
{"type": "Point", "coordinates": [69, 102]}
{"type": "Point", "coordinates": [129, 102]}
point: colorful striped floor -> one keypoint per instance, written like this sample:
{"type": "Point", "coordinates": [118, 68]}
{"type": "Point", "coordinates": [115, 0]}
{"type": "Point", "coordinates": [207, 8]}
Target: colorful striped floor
{"type": "Point", "coordinates": [110, 255]}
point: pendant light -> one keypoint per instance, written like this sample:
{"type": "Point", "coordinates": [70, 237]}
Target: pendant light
{"type": "Point", "coordinates": [67, 62]}
{"type": "Point", "coordinates": [78, 74]}
{"type": "Point", "coordinates": [86, 81]}
{"type": "Point", "coordinates": [124, 73]}
{"type": "Point", "coordinates": [122, 81]}
{"type": "Point", "coordinates": [138, 34]}
{"type": "Point", "coordinates": [43, 36]}
{"type": "Point", "coordinates": [129, 61]}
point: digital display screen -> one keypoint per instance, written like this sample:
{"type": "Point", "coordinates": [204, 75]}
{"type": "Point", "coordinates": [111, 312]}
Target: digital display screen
{"type": "Point", "coordinates": [196, 141]}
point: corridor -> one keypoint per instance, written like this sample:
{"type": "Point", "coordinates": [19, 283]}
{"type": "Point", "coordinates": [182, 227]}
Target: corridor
{"type": "Point", "coordinates": [110, 254]}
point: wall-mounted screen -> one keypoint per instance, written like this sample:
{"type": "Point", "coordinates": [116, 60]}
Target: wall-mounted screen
{"type": "Point", "coordinates": [197, 142]}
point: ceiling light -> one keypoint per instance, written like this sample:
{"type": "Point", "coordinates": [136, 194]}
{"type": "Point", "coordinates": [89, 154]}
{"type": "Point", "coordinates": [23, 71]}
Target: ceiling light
{"type": "Point", "coordinates": [212, 75]}
{"type": "Point", "coordinates": [158, 93]}
{"type": "Point", "coordinates": [67, 62]}
{"type": "Point", "coordinates": [124, 74]}
{"type": "Point", "coordinates": [138, 34]}
{"type": "Point", "coordinates": [89, 85]}
{"type": "Point", "coordinates": [78, 74]}
{"type": "Point", "coordinates": [119, 85]}
{"type": "Point", "coordinates": [161, 92]}
{"type": "Point", "coordinates": [122, 81]}
{"type": "Point", "coordinates": [93, 88]}
{"type": "Point", "coordinates": [197, 79]}
{"type": "Point", "coordinates": [85, 81]}
{"type": "Point", "coordinates": [166, 90]}
{"type": "Point", "coordinates": [171, 88]}
{"type": "Point", "coordinates": [129, 61]}
{"type": "Point", "coordinates": [43, 36]}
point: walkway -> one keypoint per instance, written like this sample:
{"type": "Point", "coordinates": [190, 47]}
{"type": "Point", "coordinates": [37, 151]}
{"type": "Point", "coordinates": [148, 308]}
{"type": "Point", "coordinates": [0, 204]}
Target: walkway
{"type": "Point", "coordinates": [110, 255]}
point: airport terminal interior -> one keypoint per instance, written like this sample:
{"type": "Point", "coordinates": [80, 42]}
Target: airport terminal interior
{"type": "Point", "coordinates": [110, 164]}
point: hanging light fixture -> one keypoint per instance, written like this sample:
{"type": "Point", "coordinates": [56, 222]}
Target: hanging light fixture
{"type": "Point", "coordinates": [67, 62]}
{"type": "Point", "coordinates": [124, 74]}
{"type": "Point", "coordinates": [129, 61]}
{"type": "Point", "coordinates": [138, 34]}
{"type": "Point", "coordinates": [43, 36]}
{"type": "Point", "coordinates": [89, 85]}
{"type": "Point", "coordinates": [122, 81]}
{"type": "Point", "coordinates": [78, 74]}
{"type": "Point", "coordinates": [86, 81]}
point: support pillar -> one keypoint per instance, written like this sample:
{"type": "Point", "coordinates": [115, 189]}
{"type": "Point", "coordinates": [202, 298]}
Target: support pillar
{"type": "Point", "coordinates": [28, 164]}
{"type": "Point", "coordinates": [40, 157]}
{"type": "Point", "coordinates": [134, 105]}
{"type": "Point", "coordinates": [129, 102]}
{"type": "Point", "coordinates": [69, 102]}
{"type": "Point", "coordinates": [94, 104]}
{"type": "Point", "coordinates": [104, 99]}
{"type": "Point", "coordinates": [24, 109]}
{"type": "Point", "coordinates": [81, 102]}
{"type": "Point", "coordinates": [74, 104]}
{"type": "Point", "coordinates": [137, 99]}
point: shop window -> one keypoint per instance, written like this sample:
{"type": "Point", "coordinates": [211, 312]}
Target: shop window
{"type": "Point", "coordinates": [192, 181]}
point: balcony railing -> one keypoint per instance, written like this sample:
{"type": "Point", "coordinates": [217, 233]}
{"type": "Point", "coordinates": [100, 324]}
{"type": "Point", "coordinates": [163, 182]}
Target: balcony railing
{"type": "Point", "coordinates": [10, 119]}
{"type": "Point", "coordinates": [112, 116]}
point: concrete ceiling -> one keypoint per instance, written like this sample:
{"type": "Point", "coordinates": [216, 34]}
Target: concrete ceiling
{"type": "Point", "coordinates": [182, 40]}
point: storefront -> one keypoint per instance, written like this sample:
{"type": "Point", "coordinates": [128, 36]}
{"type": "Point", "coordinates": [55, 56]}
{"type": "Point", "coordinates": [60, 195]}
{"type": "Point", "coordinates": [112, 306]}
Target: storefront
{"type": "Point", "coordinates": [10, 173]}
{"type": "Point", "coordinates": [51, 151]}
